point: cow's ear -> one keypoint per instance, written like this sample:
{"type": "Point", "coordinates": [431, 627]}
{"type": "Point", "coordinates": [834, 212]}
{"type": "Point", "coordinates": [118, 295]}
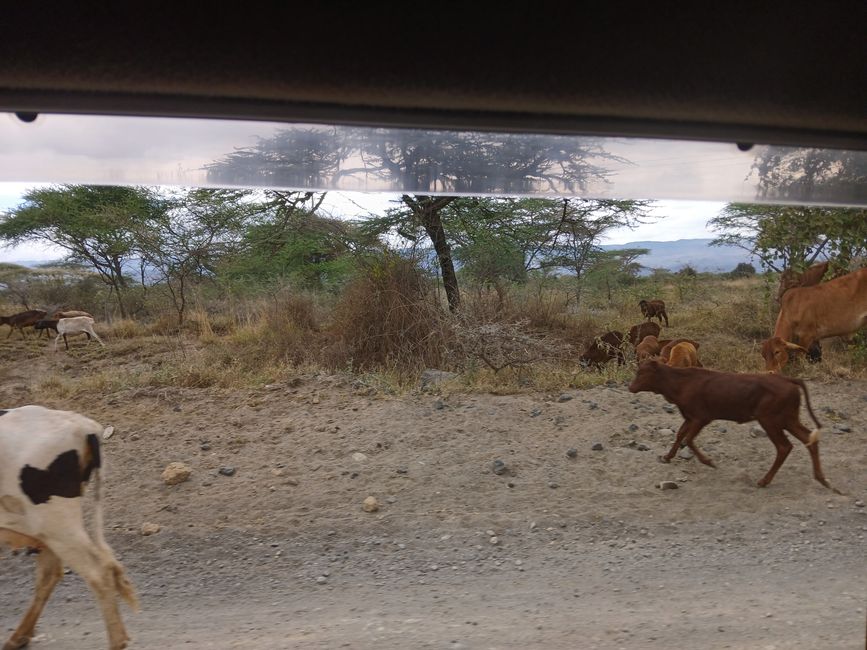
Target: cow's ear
{"type": "Point", "coordinates": [795, 347]}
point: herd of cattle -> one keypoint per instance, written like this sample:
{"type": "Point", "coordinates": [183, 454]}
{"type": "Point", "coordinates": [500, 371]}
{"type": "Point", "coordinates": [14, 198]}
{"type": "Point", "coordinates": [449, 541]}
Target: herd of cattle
{"type": "Point", "coordinates": [47, 456]}
{"type": "Point", "coordinates": [63, 323]}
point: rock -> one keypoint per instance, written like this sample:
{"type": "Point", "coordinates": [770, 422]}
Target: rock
{"type": "Point", "coordinates": [667, 485]}
{"type": "Point", "coordinates": [358, 457]}
{"type": "Point", "coordinates": [632, 427]}
{"type": "Point", "coordinates": [277, 471]}
{"type": "Point", "coordinates": [401, 470]}
{"type": "Point", "coordinates": [592, 406]}
{"type": "Point", "coordinates": [859, 504]}
{"type": "Point", "coordinates": [227, 470]}
{"type": "Point", "coordinates": [559, 421]}
{"type": "Point", "coordinates": [439, 405]}
{"type": "Point", "coordinates": [642, 447]}
{"type": "Point", "coordinates": [685, 453]}
{"type": "Point", "coordinates": [498, 467]}
{"type": "Point", "coordinates": [535, 413]}
{"type": "Point", "coordinates": [842, 428]}
{"type": "Point", "coordinates": [175, 473]}
{"type": "Point", "coordinates": [494, 541]}
{"type": "Point", "coordinates": [321, 580]}
{"type": "Point", "coordinates": [370, 504]}
{"type": "Point", "coordinates": [431, 377]}
{"type": "Point", "coordinates": [272, 387]}
{"type": "Point", "coordinates": [572, 452]}
{"type": "Point", "coordinates": [665, 432]}
{"type": "Point", "coordinates": [757, 432]}
{"type": "Point", "coordinates": [149, 528]}
{"type": "Point", "coordinates": [553, 485]}
{"type": "Point", "coordinates": [205, 446]}
{"type": "Point", "coordinates": [669, 408]}
{"type": "Point", "coordinates": [108, 432]}
{"type": "Point", "coordinates": [565, 397]}
{"type": "Point", "coordinates": [597, 446]}
{"type": "Point", "coordinates": [316, 399]}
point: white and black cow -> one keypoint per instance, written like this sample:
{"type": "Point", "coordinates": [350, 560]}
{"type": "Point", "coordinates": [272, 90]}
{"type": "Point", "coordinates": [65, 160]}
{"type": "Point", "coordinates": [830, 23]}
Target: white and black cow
{"type": "Point", "coordinates": [46, 457]}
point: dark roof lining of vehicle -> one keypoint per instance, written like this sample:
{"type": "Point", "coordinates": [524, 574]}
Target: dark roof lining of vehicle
{"type": "Point", "coordinates": [747, 73]}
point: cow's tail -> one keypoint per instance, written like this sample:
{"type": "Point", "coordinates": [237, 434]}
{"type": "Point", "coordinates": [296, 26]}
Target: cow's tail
{"type": "Point", "coordinates": [817, 432]}
{"type": "Point", "coordinates": [121, 582]}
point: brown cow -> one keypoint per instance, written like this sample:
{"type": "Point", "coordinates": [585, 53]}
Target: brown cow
{"type": "Point", "coordinates": [808, 314]}
{"type": "Point", "coordinates": [684, 355]}
{"type": "Point", "coordinates": [791, 279]}
{"type": "Point", "coordinates": [638, 332]}
{"type": "Point", "coordinates": [649, 347]}
{"type": "Point", "coordinates": [707, 395]}
{"type": "Point", "coordinates": [653, 309]}
{"type": "Point", "coordinates": [22, 320]}
{"type": "Point", "coordinates": [603, 349]}
{"type": "Point", "coordinates": [665, 350]}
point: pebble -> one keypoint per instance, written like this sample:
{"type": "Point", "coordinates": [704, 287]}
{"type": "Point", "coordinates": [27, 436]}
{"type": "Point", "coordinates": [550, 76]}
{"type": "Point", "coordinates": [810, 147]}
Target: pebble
{"type": "Point", "coordinates": [358, 457]}
{"type": "Point", "coordinates": [149, 528]}
{"type": "Point", "coordinates": [108, 432]}
{"type": "Point", "coordinates": [859, 504]}
{"type": "Point", "coordinates": [685, 453]}
{"type": "Point", "coordinates": [565, 397]}
{"type": "Point", "coordinates": [227, 470]}
{"type": "Point", "coordinates": [439, 405]}
{"type": "Point", "coordinates": [494, 540]}
{"type": "Point", "coordinates": [321, 580]}
{"type": "Point", "coordinates": [669, 408]}
{"type": "Point", "coordinates": [665, 432]}
{"type": "Point", "coordinates": [498, 467]}
{"type": "Point", "coordinates": [205, 446]}
{"type": "Point", "coordinates": [597, 446]}
{"type": "Point", "coordinates": [757, 432]}
{"type": "Point", "coordinates": [370, 504]}
{"type": "Point", "coordinates": [633, 427]}
{"type": "Point", "coordinates": [642, 447]}
{"type": "Point", "coordinates": [572, 452]}
{"type": "Point", "coordinates": [667, 485]}
{"type": "Point", "coordinates": [553, 485]}
{"type": "Point", "coordinates": [535, 413]}
{"type": "Point", "coordinates": [842, 428]}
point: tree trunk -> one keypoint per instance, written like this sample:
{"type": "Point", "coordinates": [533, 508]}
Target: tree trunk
{"type": "Point", "coordinates": [428, 211]}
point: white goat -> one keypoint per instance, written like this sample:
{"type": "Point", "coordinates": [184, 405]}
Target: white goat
{"type": "Point", "coordinates": [46, 457]}
{"type": "Point", "coordinates": [76, 325]}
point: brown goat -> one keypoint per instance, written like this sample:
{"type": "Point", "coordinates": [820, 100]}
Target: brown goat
{"type": "Point", "coordinates": [638, 332]}
{"type": "Point", "coordinates": [603, 349]}
{"type": "Point", "coordinates": [22, 320]}
{"type": "Point", "coordinates": [653, 309]}
{"type": "Point", "coordinates": [790, 278]}
{"type": "Point", "coordinates": [707, 395]}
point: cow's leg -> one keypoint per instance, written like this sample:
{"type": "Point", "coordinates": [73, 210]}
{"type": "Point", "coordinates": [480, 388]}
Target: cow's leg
{"type": "Point", "coordinates": [100, 571]}
{"type": "Point", "coordinates": [781, 442]}
{"type": "Point", "coordinates": [681, 434]}
{"type": "Point", "coordinates": [49, 571]}
{"type": "Point", "coordinates": [689, 440]}
{"type": "Point", "coordinates": [802, 433]}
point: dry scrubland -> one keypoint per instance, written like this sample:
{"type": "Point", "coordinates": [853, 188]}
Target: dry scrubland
{"type": "Point", "coordinates": [315, 404]}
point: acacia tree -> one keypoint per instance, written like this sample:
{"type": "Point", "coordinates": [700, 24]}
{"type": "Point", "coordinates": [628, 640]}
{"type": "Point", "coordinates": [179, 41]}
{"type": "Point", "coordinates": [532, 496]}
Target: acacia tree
{"type": "Point", "coordinates": [94, 224]}
{"type": "Point", "coordinates": [811, 175]}
{"type": "Point", "coordinates": [783, 237]}
{"type": "Point", "coordinates": [431, 169]}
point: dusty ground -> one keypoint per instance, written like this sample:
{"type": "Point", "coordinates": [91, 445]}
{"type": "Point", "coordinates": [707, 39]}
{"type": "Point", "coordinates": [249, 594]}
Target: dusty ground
{"type": "Point", "coordinates": [589, 553]}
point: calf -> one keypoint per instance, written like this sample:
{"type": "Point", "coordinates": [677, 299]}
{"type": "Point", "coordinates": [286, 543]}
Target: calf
{"type": "Point", "coordinates": [707, 395]}
{"type": "Point", "coordinates": [653, 309]}
{"type": "Point", "coordinates": [638, 332]}
{"type": "Point", "coordinates": [603, 349]}
{"type": "Point", "coordinates": [76, 325]}
{"type": "Point", "coordinates": [684, 355]}
{"type": "Point", "coordinates": [46, 457]}
{"type": "Point", "coordinates": [21, 320]}
{"type": "Point", "coordinates": [665, 350]}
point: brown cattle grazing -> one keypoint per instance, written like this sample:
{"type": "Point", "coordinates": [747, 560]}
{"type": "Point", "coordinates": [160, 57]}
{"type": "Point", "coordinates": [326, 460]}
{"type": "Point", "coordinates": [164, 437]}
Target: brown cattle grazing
{"type": "Point", "coordinates": [665, 349]}
{"type": "Point", "coordinates": [649, 347]}
{"type": "Point", "coordinates": [653, 309]}
{"type": "Point", "coordinates": [603, 349]}
{"type": "Point", "coordinates": [790, 278]}
{"type": "Point", "coordinates": [808, 314]}
{"type": "Point", "coordinates": [707, 395]}
{"type": "Point", "coordinates": [638, 332]}
{"type": "Point", "coordinates": [22, 320]}
{"type": "Point", "coordinates": [684, 355]}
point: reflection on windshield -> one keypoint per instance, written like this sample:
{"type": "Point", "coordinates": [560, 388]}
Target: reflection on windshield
{"type": "Point", "coordinates": [195, 152]}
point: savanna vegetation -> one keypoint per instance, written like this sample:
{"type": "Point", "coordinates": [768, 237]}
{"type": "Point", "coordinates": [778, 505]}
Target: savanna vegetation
{"type": "Point", "coordinates": [231, 287]}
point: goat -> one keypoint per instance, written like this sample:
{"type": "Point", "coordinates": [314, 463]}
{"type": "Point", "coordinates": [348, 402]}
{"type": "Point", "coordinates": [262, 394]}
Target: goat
{"type": "Point", "coordinates": [638, 332]}
{"type": "Point", "coordinates": [703, 396]}
{"type": "Point", "coordinates": [76, 325]}
{"type": "Point", "coordinates": [46, 457]}
{"type": "Point", "coordinates": [602, 349]}
{"type": "Point", "coordinates": [653, 309]}
{"type": "Point", "coordinates": [22, 320]}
